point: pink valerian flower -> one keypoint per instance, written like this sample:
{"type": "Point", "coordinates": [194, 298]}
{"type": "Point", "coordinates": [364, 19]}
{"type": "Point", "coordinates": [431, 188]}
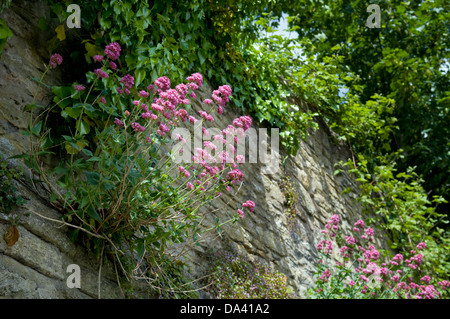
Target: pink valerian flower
{"type": "Point", "coordinates": [235, 176]}
{"type": "Point", "coordinates": [243, 122]}
{"type": "Point", "coordinates": [192, 119]}
{"type": "Point", "coordinates": [127, 81]}
{"type": "Point", "coordinates": [363, 278]}
{"type": "Point", "coordinates": [241, 213]}
{"type": "Point", "coordinates": [398, 258]}
{"type": "Point", "coordinates": [384, 271]}
{"type": "Point", "coordinates": [207, 101]}
{"type": "Point", "coordinates": [350, 240]}
{"type": "Point", "coordinates": [369, 231]}
{"type": "Point", "coordinates": [100, 73]}
{"type": "Point", "coordinates": [197, 78]}
{"type": "Point", "coordinates": [163, 127]}
{"type": "Point", "coordinates": [102, 100]}
{"type": "Point", "coordinates": [79, 87]}
{"type": "Point", "coordinates": [334, 220]}
{"type": "Point", "coordinates": [127, 113]}
{"type": "Point", "coordinates": [355, 229]}
{"type": "Point", "coordinates": [395, 278]}
{"type": "Point", "coordinates": [351, 283]}
{"type": "Point", "coordinates": [192, 86]}
{"type": "Point", "coordinates": [250, 205]}
{"type": "Point", "coordinates": [444, 284]}
{"type": "Point", "coordinates": [112, 65]}
{"type": "Point", "coordinates": [149, 115]}
{"type": "Point", "coordinates": [373, 268]}
{"type": "Point", "coordinates": [205, 131]}
{"type": "Point", "coordinates": [371, 253]}
{"type": "Point", "coordinates": [208, 144]}
{"type": "Point", "coordinates": [143, 94]}
{"type": "Point", "coordinates": [178, 137]}
{"type": "Point", "coordinates": [359, 223]}
{"type": "Point", "coordinates": [98, 58]}
{"type": "Point", "coordinates": [206, 116]}
{"type": "Point", "coordinates": [220, 110]}
{"type": "Point", "coordinates": [55, 60]}
{"type": "Point", "coordinates": [186, 173]}
{"type": "Point", "coordinates": [325, 275]}
{"type": "Point", "coordinates": [182, 114]}
{"type": "Point", "coordinates": [170, 97]}
{"type": "Point", "coordinates": [148, 139]}
{"type": "Point", "coordinates": [112, 51]}
{"type": "Point", "coordinates": [417, 258]}
{"type": "Point", "coordinates": [426, 279]}
{"type": "Point", "coordinates": [163, 84]}
{"type": "Point", "coordinates": [326, 246]}
{"type": "Point", "coordinates": [343, 250]}
{"type": "Point", "coordinates": [118, 122]}
{"type": "Point", "coordinates": [157, 107]}
{"type": "Point", "coordinates": [193, 95]}
{"type": "Point", "coordinates": [182, 89]}
{"type": "Point", "coordinates": [428, 292]}
{"type": "Point", "coordinates": [421, 246]}
{"type": "Point", "coordinates": [137, 127]}
{"type": "Point", "coordinates": [190, 186]}
{"type": "Point", "coordinates": [240, 159]}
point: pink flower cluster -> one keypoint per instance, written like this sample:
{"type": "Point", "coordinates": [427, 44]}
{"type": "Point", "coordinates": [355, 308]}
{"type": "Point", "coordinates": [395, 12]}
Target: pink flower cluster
{"type": "Point", "coordinates": [100, 73]}
{"type": "Point", "coordinates": [390, 275]}
{"type": "Point", "coordinates": [79, 87]}
{"type": "Point", "coordinates": [55, 60]}
{"type": "Point", "coordinates": [112, 51]}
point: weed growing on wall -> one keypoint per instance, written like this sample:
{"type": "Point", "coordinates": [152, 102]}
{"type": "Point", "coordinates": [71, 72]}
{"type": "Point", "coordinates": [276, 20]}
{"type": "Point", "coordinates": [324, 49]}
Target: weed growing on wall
{"type": "Point", "coordinates": [351, 267]}
{"type": "Point", "coordinates": [117, 184]}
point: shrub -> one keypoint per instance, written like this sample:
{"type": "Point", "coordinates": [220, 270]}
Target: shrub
{"type": "Point", "coordinates": [358, 271]}
{"type": "Point", "coordinates": [118, 183]}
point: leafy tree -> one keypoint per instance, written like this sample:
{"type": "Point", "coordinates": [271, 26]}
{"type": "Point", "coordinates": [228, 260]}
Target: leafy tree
{"type": "Point", "coordinates": [405, 60]}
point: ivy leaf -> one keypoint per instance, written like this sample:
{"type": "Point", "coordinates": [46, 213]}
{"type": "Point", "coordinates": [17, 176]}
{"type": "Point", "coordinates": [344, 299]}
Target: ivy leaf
{"type": "Point", "coordinates": [92, 212]}
{"type": "Point", "coordinates": [139, 76]}
{"type": "Point", "coordinates": [60, 32]}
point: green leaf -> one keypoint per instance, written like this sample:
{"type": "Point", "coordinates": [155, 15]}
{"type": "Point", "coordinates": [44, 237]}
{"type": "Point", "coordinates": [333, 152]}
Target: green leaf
{"type": "Point", "coordinates": [92, 212]}
{"type": "Point", "coordinates": [73, 112]}
{"type": "Point", "coordinates": [83, 127]}
{"type": "Point", "coordinates": [139, 76]}
{"type": "Point", "coordinates": [93, 178]}
{"type": "Point", "coordinates": [140, 248]}
{"type": "Point", "coordinates": [36, 130]}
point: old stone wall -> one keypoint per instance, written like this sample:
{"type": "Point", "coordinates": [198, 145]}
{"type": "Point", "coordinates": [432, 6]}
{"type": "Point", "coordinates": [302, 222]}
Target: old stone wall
{"type": "Point", "coordinates": [35, 267]}
{"type": "Point", "coordinates": [266, 235]}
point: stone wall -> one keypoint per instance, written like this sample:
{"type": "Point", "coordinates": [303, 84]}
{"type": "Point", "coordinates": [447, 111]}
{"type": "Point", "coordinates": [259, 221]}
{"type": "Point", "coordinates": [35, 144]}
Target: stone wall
{"type": "Point", "coordinates": [266, 236]}
{"type": "Point", "coordinates": [35, 267]}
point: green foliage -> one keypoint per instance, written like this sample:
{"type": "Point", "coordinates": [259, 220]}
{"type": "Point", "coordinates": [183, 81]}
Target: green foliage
{"type": "Point", "coordinates": [405, 60]}
{"type": "Point", "coordinates": [403, 208]}
{"type": "Point", "coordinates": [350, 267]}
{"type": "Point", "coordinates": [235, 277]}
{"type": "Point", "coordinates": [118, 184]}
{"type": "Point", "coordinates": [8, 197]}
{"type": "Point", "coordinates": [5, 34]}
{"type": "Point", "coordinates": [367, 84]}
